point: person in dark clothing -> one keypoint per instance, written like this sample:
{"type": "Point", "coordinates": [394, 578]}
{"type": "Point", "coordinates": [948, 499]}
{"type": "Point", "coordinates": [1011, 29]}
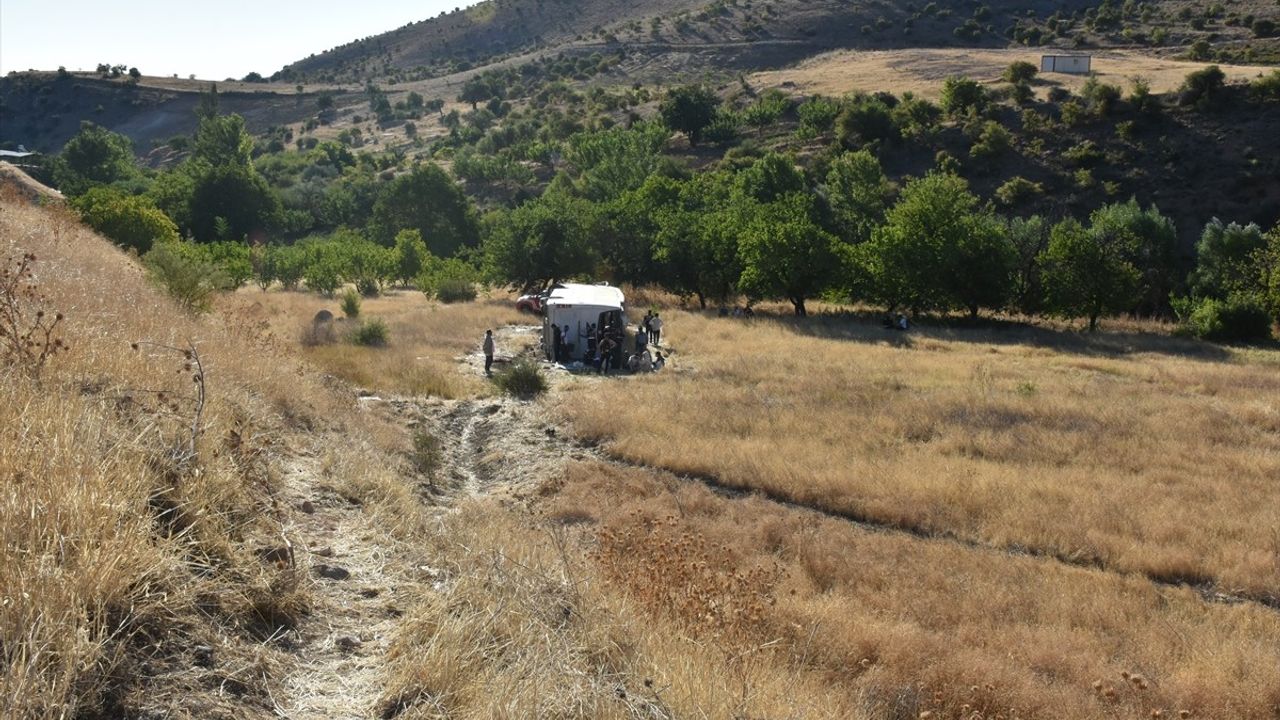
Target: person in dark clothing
{"type": "Point", "coordinates": [607, 345]}
{"type": "Point", "coordinates": [557, 343]}
{"type": "Point", "coordinates": [487, 346]}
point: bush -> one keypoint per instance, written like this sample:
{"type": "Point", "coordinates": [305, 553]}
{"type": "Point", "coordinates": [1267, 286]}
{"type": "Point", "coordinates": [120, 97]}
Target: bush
{"type": "Point", "coordinates": [1237, 319]}
{"type": "Point", "coordinates": [190, 281]}
{"type": "Point", "coordinates": [961, 95]}
{"type": "Point", "coordinates": [452, 290]}
{"type": "Point", "coordinates": [1019, 72]}
{"type": "Point", "coordinates": [523, 379]}
{"type": "Point", "coordinates": [373, 333]}
{"type": "Point", "coordinates": [1263, 28]}
{"type": "Point", "coordinates": [1018, 190]}
{"type": "Point", "coordinates": [351, 304]}
{"type": "Point", "coordinates": [817, 116]}
{"type": "Point", "coordinates": [1266, 87]}
{"type": "Point", "coordinates": [131, 222]}
{"type": "Point", "coordinates": [866, 119]}
{"type": "Point", "coordinates": [427, 453]}
{"type": "Point", "coordinates": [1202, 87]}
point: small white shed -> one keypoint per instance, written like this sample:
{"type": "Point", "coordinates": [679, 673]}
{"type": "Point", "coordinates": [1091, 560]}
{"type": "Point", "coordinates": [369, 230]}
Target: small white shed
{"type": "Point", "coordinates": [577, 307]}
{"type": "Point", "coordinates": [1073, 64]}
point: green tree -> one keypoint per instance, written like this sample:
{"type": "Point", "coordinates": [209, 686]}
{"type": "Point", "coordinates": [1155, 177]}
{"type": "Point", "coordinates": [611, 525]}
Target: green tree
{"type": "Point", "coordinates": [429, 201]}
{"type": "Point", "coordinates": [961, 95]}
{"type": "Point", "coordinates": [866, 119]}
{"type": "Point", "coordinates": [696, 247]}
{"type": "Point", "coordinates": [411, 255]}
{"type": "Point", "coordinates": [131, 222]}
{"type": "Point", "coordinates": [611, 162]}
{"type": "Point", "coordinates": [1148, 241]}
{"type": "Point", "coordinates": [857, 194]}
{"type": "Point", "coordinates": [766, 110]}
{"type": "Point", "coordinates": [1225, 260]}
{"type": "Point", "coordinates": [475, 91]}
{"type": "Point", "coordinates": [771, 177]}
{"type": "Point", "coordinates": [1087, 274]}
{"type": "Point", "coordinates": [230, 202]}
{"type": "Point", "coordinates": [786, 254]}
{"type": "Point", "coordinates": [223, 140]}
{"type": "Point", "coordinates": [689, 109]}
{"type": "Point", "coordinates": [541, 241]}
{"type": "Point", "coordinates": [939, 249]}
{"type": "Point", "coordinates": [95, 156]}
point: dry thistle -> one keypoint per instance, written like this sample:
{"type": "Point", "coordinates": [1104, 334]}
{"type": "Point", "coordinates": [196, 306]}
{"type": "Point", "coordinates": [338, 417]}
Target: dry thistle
{"type": "Point", "coordinates": [27, 339]}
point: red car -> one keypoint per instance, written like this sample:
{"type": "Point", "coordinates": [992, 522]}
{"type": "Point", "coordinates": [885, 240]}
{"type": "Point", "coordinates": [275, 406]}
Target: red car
{"type": "Point", "coordinates": [531, 304]}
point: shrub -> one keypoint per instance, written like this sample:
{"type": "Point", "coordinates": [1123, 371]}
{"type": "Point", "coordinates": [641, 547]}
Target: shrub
{"type": "Point", "coordinates": [131, 222]}
{"type": "Point", "coordinates": [817, 116]}
{"type": "Point", "coordinates": [523, 379]}
{"type": "Point", "coordinates": [373, 333]}
{"type": "Point", "coordinates": [190, 281]}
{"type": "Point", "coordinates": [452, 290]}
{"type": "Point", "coordinates": [1018, 190]}
{"type": "Point", "coordinates": [1019, 72]}
{"type": "Point", "coordinates": [351, 304]}
{"type": "Point", "coordinates": [1240, 318]}
{"type": "Point", "coordinates": [994, 141]}
{"type": "Point", "coordinates": [427, 453]}
{"type": "Point", "coordinates": [961, 95]}
{"type": "Point", "coordinates": [1266, 87]}
{"type": "Point", "coordinates": [1264, 28]}
{"type": "Point", "coordinates": [1202, 87]}
{"type": "Point", "coordinates": [866, 119]}
{"type": "Point", "coordinates": [1099, 97]}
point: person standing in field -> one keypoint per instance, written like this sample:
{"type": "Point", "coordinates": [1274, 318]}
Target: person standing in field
{"type": "Point", "coordinates": [557, 341]}
{"type": "Point", "coordinates": [655, 330]}
{"type": "Point", "coordinates": [642, 339]}
{"type": "Point", "coordinates": [488, 352]}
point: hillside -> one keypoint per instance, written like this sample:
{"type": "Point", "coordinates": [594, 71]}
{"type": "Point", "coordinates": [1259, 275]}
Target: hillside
{"type": "Point", "coordinates": [666, 40]}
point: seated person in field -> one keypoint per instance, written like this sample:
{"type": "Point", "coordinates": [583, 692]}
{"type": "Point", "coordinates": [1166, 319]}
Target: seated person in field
{"type": "Point", "coordinates": [659, 362]}
{"type": "Point", "coordinates": [902, 322]}
{"type": "Point", "coordinates": [644, 362]}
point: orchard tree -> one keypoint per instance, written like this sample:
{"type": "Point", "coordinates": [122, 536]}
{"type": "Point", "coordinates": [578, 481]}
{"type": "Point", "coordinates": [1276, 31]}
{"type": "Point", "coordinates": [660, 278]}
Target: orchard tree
{"type": "Point", "coordinates": [689, 109]}
{"type": "Point", "coordinates": [429, 201]}
{"type": "Point", "coordinates": [857, 193]}
{"type": "Point", "coordinates": [412, 255]}
{"type": "Point", "coordinates": [786, 254]}
{"type": "Point", "coordinates": [541, 241]}
{"type": "Point", "coordinates": [1148, 241]}
{"type": "Point", "coordinates": [696, 248]}
{"type": "Point", "coordinates": [961, 95]}
{"type": "Point", "coordinates": [1225, 258]}
{"type": "Point", "coordinates": [223, 140]}
{"type": "Point", "coordinates": [770, 178]}
{"type": "Point", "coordinates": [939, 249]}
{"type": "Point", "coordinates": [1087, 274]}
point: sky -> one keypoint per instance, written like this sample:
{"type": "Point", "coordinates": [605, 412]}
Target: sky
{"type": "Point", "coordinates": [213, 40]}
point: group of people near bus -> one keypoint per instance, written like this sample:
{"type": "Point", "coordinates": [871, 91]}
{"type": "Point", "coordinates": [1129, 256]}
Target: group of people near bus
{"type": "Point", "coordinates": [604, 342]}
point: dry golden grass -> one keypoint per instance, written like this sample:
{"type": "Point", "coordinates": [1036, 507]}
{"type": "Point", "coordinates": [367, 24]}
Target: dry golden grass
{"type": "Point", "coordinates": [117, 548]}
{"type": "Point", "coordinates": [908, 625]}
{"type": "Point", "coordinates": [524, 628]}
{"type": "Point", "coordinates": [923, 70]}
{"type": "Point", "coordinates": [427, 338]}
{"type": "Point", "coordinates": [1136, 452]}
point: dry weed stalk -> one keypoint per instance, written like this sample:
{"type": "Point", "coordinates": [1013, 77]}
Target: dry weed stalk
{"type": "Point", "coordinates": [173, 402]}
{"type": "Point", "coordinates": [28, 335]}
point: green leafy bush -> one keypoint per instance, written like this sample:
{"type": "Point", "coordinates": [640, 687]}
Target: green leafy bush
{"type": "Point", "coordinates": [373, 333]}
{"type": "Point", "coordinates": [1266, 87]}
{"type": "Point", "coordinates": [450, 280]}
{"type": "Point", "coordinates": [185, 276]}
{"type": "Point", "coordinates": [1018, 190]}
{"type": "Point", "coordinates": [351, 304]}
{"type": "Point", "coordinates": [523, 379]}
{"type": "Point", "coordinates": [1240, 318]}
{"type": "Point", "coordinates": [131, 222]}
{"type": "Point", "coordinates": [817, 116]}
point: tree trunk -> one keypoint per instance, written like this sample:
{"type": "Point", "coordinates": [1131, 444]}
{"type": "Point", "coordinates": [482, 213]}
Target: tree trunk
{"type": "Point", "coordinates": [973, 312]}
{"type": "Point", "coordinates": [1093, 323]}
{"type": "Point", "coordinates": [702, 301]}
{"type": "Point", "coordinates": [799, 306]}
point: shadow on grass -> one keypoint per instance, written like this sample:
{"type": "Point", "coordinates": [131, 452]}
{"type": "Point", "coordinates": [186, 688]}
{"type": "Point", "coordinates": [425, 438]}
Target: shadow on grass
{"type": "Point", "coordinates": [866, 327]}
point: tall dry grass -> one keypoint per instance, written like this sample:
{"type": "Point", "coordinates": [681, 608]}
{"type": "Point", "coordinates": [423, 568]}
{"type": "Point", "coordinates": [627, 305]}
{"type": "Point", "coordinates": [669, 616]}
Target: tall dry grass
{"type": "Point", "coordinates": [426, 338]}
{"type": "Point", "coordinates": [1133, 451]}
{"type": "Point", "coordinates": [903, 626]}
{"type": "Point", "coordinates": [121, 551]}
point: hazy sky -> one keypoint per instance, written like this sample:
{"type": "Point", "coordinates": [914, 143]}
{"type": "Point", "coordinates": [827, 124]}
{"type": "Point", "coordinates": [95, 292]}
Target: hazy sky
{"type": "Point", "coordinates": [214, 40]}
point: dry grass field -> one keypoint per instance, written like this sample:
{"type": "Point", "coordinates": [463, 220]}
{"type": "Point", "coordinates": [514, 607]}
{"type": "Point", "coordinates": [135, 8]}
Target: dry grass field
{"type": "Point", "coordinates": [1134, 452]}
{"type": "Point", "coordinates": [592, 582]}
{"type": "Point", "coordinates": [426, 338]}
{"type": "Point", "coordinates": [923, 70]}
